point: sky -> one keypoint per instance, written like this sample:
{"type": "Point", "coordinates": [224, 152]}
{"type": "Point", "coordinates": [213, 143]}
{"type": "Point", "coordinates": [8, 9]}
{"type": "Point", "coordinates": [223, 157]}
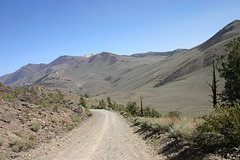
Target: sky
{"type": "Point", "coordinates": [39, 31]}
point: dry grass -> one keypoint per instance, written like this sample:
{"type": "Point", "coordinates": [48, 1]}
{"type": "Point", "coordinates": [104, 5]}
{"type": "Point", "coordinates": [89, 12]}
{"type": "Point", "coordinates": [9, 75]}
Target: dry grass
{"type": "Point", "coordinates": [183, 127]}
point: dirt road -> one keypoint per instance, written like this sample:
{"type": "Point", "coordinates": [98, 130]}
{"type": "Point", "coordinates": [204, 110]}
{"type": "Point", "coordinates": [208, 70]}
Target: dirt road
{"type": "Point", "coordinates": [105, 136]}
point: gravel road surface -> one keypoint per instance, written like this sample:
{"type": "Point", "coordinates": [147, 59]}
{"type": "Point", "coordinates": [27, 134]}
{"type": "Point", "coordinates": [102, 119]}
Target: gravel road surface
{"type": "Point", "coordinates": [105, 136]}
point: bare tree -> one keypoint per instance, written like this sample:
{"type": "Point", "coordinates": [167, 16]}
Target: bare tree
{"type": "Point", "coordinates": [214, 86]}
{"type": "Point", "coordinates": [141, 105]}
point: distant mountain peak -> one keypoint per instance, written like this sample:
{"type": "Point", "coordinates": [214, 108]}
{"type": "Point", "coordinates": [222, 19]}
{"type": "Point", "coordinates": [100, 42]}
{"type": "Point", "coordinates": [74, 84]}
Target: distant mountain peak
{"type": "Point", "coordinates": [105, 53]}
{"type": "Point", "coordinates": [103, 57]}
{"type": "Point", "coordinates": [234, 22]}
{"type": "Point", "coordinates": [227, 32]}
{"type": "Point", "coordinates": [88, 55]}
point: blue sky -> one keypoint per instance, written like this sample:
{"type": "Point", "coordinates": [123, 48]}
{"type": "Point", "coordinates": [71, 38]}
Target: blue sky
{"type": "Point", "coordinates": [39, 31]}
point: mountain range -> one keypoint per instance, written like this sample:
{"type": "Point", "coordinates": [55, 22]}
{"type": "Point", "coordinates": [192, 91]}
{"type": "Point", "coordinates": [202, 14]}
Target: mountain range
{"type": "Point", "coordinates": [174, 80]}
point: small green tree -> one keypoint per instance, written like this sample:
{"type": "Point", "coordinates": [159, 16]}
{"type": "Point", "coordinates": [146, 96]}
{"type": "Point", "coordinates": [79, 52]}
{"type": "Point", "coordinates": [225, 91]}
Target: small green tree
{"type": "Point", "coordinates": [109, 103]}
{"type": "Point", "coordinates": [132, 108]}
{"type": "Point", "coordinates": [4, 97]}
{"type": "Point", "coordinates": [175, 114]}
{"type": "Point", "coordinates": [17, 91]}
{"type": "Point", "coordinates": [147, 111]}
{"type": "Point", "coordinates": [102, 104]}
{"type": "Point", "coordinates": [83, 102]}
{"type": "Point", "coordinates": [229, 69]}
{"type": "Point", "coordinates": [86, 95]}
{"type": "Point", "coordinates": [56, 107]}
{"type": "Point", "coordinates": [155, 114]}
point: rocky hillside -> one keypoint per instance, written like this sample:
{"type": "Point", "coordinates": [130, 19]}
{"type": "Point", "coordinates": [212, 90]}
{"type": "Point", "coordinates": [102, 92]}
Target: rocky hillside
{"type": "Point", "coordinates": [32, 116]}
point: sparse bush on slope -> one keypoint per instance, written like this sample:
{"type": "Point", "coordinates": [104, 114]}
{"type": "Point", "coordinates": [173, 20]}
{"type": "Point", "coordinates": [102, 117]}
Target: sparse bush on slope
{"type": "Point", "coordinates": [35, 127]}
{"type": "Point", "coordinates": [23, 145]}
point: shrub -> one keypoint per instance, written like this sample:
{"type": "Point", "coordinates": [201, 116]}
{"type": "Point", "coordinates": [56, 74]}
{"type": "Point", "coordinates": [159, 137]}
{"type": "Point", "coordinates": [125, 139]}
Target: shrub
{"type": "Point", "coordinates": [155, 124]}
{"type": "Point", "coordinates": [51, 95]}
{"type": "Point", "coordinates": [18, 133]}
{"type": "Point", "coordinates": [1, 142]}
{"type": "Point", "coordinates": [102, 104]}
{"type": "Point", "coordinates": [93, 107]}
{"type": "Point", "coordinates": [70, 126]}
{"type": "Point", "coordinates": [86, 95]}
{"type": "Point", "coordinates": [82, 101]}
{"type": "Point", "coordinates": [221, 127]}
{"type": "Point", "coordinates": [89, 114]}
{"type": "Point", "coordinates": [183, 128]}
{"type": "Point", "coordinates": [132, 108]}
{"type": "Point", "coordinates": [43, 102]}
{"type": "Point", "coordinates": [24, 145]}
{"type": "Point", "coordinates": [147, 111]}
{"type": "Point", "coordinates": [4, 97]}
{"type": "Point", "coordinates": [10, 98]}
{"type": "Point", "coordinates": [153, 113]}
{"type": "Point", "coordinates": [164, 124]}
{"type": "Point", "coordinates": [59, 97]}
{"type": "Point", "coordinates": [22, 119]}
{"type": "Point", "coordinates": [35, 93]}
{"type": "Point", "coordinates": [144, 123]}
{"type": "Point", "coordinates": [35, 127]}
{"type": "Point", "coordinates": [74, 118]}
{"type": "Point", "coordinates": [175, 114]}
{"type": "Point", "coordinates": [17, 91]}
{"type": "Point", "coordinates": [56, 107]}
{"type": "Point", "coordinates": [16, 145]}
{"type": "Point", "coordinates": [25, 90]}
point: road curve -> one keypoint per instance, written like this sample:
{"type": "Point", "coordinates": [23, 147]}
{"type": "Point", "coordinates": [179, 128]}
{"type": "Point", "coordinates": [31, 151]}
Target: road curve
{"type": "Point", "coordinates": [105, 136]}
